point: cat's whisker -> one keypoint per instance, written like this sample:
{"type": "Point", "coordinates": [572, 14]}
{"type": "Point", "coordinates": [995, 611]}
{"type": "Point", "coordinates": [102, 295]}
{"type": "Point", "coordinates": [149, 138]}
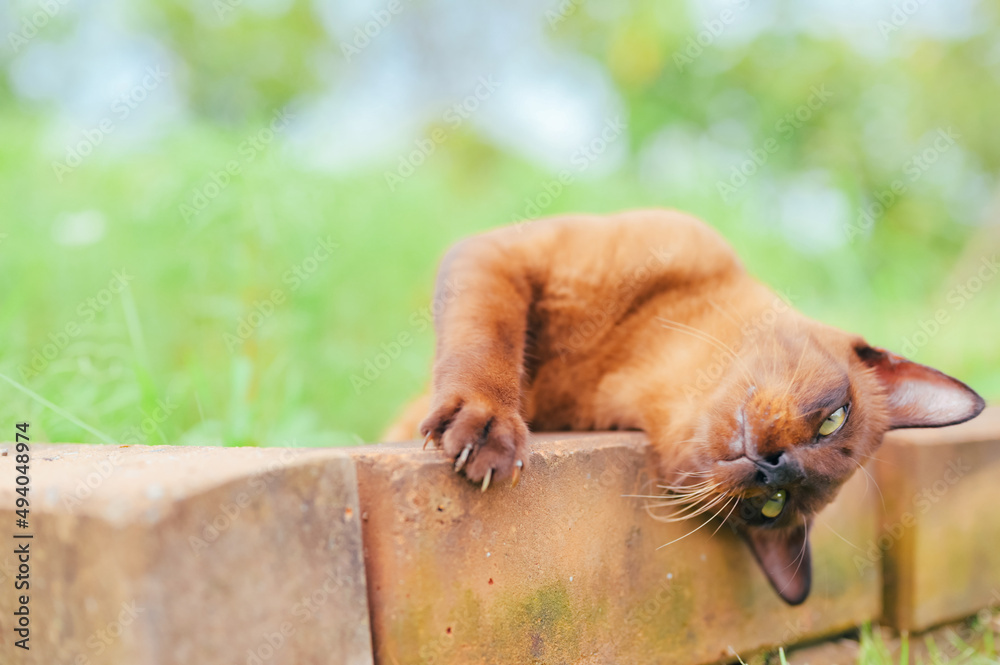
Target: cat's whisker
{"type": "Point", "coordinates": [688, 510]}
{"type": "Point", "coordinates": [672, 519]}
{"type": "Point", "coordinates": [880, 459]}
{"type": "Point", "coordinates": [700, 476]}
{"type": "Point", "coordinates": [775, 354]}
{"type": "Point", "coordinates": [672, 498]}
{"type": "Point", "coordinates": [686, 505]}
{"type": "Point", "coordinates": [703, 472]}
{"type": "Point", "coordinates": [678, 497]}
{"type": "Point", "coordinates": [827, 524]}
{"type": "Point", "coordinates": [795, 374]}
{"type": "Point", "coordinates": [800, 558]}
{"type": "Point", "coordinates": [705, 337]}
{"type": "Point", "coordinates": [699, 484]}
{"type": "Point", "coordinates": [683, 501]}
{"type": "Point", "coordinates": [694, 472]}
{"type": "Point", "coordinates": [872, 478]}
{"type": "Point", "coordinates": [740, 325]}
{"type": "Point", "coordinates": [673, 492]}
{"type": "Point", "coordinates": [692, 531]}
{"type": "Point", "coordinates": [728, 515]}
{"type": "Point", "coordinates": [699, 334]}
{"type": "Point", "coordinates": [682, 492]}
{"type": "Point", "coordinates": [693, 439]}
{"type": "Point", "coordinates": [674, 516]}
{"type": "Point", "coordinates": [693, 491]}
{"type": "Point", "coordinates": [801, 555]}
{"type": "Point", "coordinates": [715, 306]}
{"type": "Point", "coordinates": [694, 510]}
{"type": "Point", "coordinates": [661, 498]}
{"type": "Point", "coordinates": [642, 496]}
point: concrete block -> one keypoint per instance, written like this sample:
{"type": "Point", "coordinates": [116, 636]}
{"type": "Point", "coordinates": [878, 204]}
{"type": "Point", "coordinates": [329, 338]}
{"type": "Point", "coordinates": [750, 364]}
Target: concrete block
{"type": "Point", "coordinates": [941, 523]}
{"type": "Point", "coordinates": [565, 569]}
{"type": "Point", "coordinates": [162, 555]}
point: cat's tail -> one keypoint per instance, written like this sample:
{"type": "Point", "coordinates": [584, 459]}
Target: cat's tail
{"type": "Point", "coordinates": [405, 427]}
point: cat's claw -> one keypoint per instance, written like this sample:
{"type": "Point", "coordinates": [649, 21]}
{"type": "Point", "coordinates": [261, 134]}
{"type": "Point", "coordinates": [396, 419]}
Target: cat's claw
{"type": "Point", "coordinates": [463, 456]}
{"type": "Point", "coordinates": [427, 439]}
{"type": "Point", "coordinates": [479, 437]}
{"type": "Point", "coordinates": [516, 474]}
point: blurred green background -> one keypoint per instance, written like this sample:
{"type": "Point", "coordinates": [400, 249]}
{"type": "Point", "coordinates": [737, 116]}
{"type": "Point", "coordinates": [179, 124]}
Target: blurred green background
{"type": "Point", "coordinates": [220, 221]}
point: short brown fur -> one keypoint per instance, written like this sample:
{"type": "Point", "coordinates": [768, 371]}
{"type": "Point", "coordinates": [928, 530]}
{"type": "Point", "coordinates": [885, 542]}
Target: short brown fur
{"type": "Point", "coordinates": [647, 320]}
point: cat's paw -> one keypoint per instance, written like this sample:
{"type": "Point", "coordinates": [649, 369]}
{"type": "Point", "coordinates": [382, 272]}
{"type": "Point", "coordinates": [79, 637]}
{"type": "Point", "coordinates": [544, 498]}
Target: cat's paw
{"type": "Point", "coordinates": [486, 442]}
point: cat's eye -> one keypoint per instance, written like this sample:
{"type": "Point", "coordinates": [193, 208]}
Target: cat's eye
{"type": "Point", "coordinates": [833, 422]}
{"type": "Point", "coordinates": [774, 505]}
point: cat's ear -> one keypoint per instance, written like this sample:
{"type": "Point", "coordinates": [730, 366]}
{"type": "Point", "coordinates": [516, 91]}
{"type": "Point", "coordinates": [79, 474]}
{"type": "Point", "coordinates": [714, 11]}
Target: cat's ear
{"type": "Point", "coordinates": [920, 396]}
{"type": "Point", "coordinates": [784, 556]}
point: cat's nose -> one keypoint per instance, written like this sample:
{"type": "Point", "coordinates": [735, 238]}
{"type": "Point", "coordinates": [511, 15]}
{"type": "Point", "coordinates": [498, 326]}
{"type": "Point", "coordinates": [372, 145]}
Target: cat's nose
{"type": "Point", "coordinates": [778, 470]}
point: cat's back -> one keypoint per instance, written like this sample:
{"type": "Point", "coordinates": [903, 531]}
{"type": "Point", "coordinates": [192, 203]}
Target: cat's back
{"type": "Point", "coordinates": [596, 247]}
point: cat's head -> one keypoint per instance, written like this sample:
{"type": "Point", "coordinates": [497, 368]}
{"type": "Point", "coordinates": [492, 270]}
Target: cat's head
{"type": "Point", "coordinates": [797, 412]}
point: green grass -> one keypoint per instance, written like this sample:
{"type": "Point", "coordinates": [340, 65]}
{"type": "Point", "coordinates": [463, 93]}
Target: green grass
{"type": "Point", "coordinates": [163, 340]}
{"type": "Point", "coordinates": [969, 643]}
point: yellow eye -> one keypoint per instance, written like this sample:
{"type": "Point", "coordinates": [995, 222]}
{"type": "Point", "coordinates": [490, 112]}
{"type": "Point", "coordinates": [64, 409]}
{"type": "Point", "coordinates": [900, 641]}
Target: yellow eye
{"type": "Point", "coordinates": [834, 422]}
{"type": "Point", "coordinates": [774, 505]}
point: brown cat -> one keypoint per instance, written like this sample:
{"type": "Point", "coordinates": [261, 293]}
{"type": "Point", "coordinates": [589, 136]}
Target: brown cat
{"type": "Point", "coordinates": [647, 320]}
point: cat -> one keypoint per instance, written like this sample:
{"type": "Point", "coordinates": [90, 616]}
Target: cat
{"type": "Point", "coordinates": [646, 320]}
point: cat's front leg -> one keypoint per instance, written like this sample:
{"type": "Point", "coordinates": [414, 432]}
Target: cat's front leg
{"type": "Point", "coordinates": [482, 298]}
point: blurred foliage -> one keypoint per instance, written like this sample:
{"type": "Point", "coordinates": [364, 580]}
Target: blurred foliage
{"type": "Point", "coordinates": [294, 380]}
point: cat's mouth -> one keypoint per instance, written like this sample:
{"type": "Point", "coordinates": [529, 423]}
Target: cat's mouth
{"type": "Point", "coordinates": [765, 507]}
